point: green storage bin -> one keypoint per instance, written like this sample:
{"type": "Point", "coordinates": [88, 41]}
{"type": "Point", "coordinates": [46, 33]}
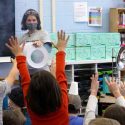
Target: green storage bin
{"type": "Point", "coordinates": [70, 53]}
{"type": "Point", "coordinates": [71, 41]}
{"type": "Point", "coordinates": [109, 51]}
{"type": "Point", "coordinates": [83, 53]}
{"type": "Point", "coordinates": [112, 39]}
{"type": "Point", "coordinates": [83, 39]}
{"type": "Point", "coordinates": [53, 37]}
{"type": "Point", "coordinates": [98, 52]}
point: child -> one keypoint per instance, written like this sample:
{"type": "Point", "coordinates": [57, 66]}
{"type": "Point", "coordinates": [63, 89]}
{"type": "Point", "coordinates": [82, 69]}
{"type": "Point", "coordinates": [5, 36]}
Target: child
{"type": "Point", "coordinates": [16, 101]}
{"type": "Point", "coordinates": [116, 112]}
{"type": "Point", "coordinates": [5, 86]}
{"type": "Point", "coordinates": [104, 121]}
{"type": "Point", "coordinates": [13, 117]}
{"type": "Point", "coordinates": [74, 109]}
{"type": "Point", "coordinates": [92, 102]}
{"type": "Point", "coordinates": [46, 98]}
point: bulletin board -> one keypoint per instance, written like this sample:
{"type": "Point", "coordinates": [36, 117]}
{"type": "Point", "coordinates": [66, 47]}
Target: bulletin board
{"type": "Point", "coordinates": [7, 25]}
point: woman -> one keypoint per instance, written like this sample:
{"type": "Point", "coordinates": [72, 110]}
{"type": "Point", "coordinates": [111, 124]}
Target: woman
{"type": "Point", "coordinates": [31, 22]}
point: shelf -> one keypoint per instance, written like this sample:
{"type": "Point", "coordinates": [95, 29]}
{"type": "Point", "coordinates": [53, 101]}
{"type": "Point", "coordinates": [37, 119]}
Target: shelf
{"type": "Point", "coordinates": [116, 17]}
{"type": "Point", "coordinates": [88, 61]}
{"type": "Point", "coordinates": [121, 10]}
{"type": "Point", "coordinates": [121, 27]}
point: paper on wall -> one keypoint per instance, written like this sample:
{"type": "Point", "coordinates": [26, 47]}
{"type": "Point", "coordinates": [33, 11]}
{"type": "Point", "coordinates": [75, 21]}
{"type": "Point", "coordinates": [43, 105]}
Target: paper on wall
{"type": "Point", "coordinates": [80, 12]}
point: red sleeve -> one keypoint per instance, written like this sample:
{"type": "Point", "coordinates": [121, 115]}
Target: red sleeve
{"type": "Point", "coordinates": [60, 75]}
{"type": "Point", "coordinates": [24, 73]}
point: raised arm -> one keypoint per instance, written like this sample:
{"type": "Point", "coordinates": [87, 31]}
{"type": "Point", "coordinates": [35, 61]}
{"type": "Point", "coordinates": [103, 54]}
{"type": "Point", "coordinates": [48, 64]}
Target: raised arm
{"type": "Point", "coordinates": [17, 50]}
{"type": "Point", "coordinates": [60, 55]}
{"type": "Point", "coordinates": [5, 86]}
{"type": "Point", "coordinates": [92, 101]}
{"type": "Point", "coordinates": [60, 64]}
{"type": "Point", "coordinates": [114, 88]}
{"type": "Point", "coordinates": [10, 79]}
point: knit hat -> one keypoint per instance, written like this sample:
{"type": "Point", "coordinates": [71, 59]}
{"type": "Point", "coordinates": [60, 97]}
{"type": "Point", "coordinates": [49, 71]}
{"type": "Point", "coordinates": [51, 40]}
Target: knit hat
{"type": "Point", "coordinates": [16, 96]}
{"type": "Point", "coordinates": [75, 101]}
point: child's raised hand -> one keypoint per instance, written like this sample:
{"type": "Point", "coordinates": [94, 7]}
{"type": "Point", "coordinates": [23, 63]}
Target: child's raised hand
{"type": "Point", "coordinates": [94, 84]}
{"type": "Point", "coordinates": [113, 86]}
{"type": "Point", "coordinates": [14, 46]}
{"type": "Point", "coordinates": [62, 41]}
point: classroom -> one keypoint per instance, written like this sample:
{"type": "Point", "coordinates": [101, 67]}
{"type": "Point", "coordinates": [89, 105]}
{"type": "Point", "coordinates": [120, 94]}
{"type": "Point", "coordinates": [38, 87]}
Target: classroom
{"type": "Point", "coordinates": [62, 62]}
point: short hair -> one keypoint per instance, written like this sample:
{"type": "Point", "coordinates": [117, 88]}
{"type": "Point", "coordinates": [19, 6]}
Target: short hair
{"type": "Point", "coordinates": [74, 103]}
{"type": "Point", "coordinates": [103, 121]}
{"type": "Point", "coordinates": [13, 117]}
{"type": "Point", "coordinates": [116, 112]}
{"type": "Point", "coordinates": [44, 94]}
{"type": "Point", "coordinates": [25, 16]}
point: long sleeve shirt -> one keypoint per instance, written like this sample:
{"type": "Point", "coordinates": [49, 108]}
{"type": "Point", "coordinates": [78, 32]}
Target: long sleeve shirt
{"type": "Point", "coordinates": [90, 109]}
{"type": "Point", "coordinates": [59, 117]}
{"type": "Point", "coordinates": [5, 88]}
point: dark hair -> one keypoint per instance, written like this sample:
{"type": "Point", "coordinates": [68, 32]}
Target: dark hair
{"type": "Point", "coordinates": [44, 94]}
{"type": "Point", "coordinates": [115, 112]}
{"type": "Point", "coordinates": [103, 121]}
{"type": "Point", "coordinates": [72, 109]}
{"type": "Point", "coordinates": [25, 16]}
{"type": "Point", "coordinates": [17, 97]}
{"type": "Point", "coordinates": [13, 117]}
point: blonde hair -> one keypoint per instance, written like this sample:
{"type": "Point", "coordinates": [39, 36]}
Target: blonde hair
{"type": "Point", "coordinates": [103, 121]}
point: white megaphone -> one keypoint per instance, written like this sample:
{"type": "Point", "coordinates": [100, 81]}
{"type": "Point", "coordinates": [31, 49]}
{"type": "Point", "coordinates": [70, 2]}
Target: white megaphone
{"type": "Point", "coordinates": [73, 88]}
{"type": "Point", "coordinates": [120, 65]}
{"type": "Point", "coordinates": [121, 59]}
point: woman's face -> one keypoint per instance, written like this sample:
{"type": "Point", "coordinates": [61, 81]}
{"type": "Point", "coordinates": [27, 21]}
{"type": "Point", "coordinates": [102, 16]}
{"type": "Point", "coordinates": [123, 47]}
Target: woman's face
{"type": "Point", "coordinates": [31, 19]}
{"type": "Point", "coordinates": [31, 23]}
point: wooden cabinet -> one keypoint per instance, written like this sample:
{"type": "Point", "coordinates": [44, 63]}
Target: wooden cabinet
{"type": "Point", "coordinates": [117, 20]}
{"type": "Point", "coordinates": [117, 24]}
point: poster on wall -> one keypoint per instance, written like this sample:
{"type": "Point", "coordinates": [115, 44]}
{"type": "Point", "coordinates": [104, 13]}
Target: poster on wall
{"type": "Point", "coordinates": [80, 12]}
{"type": "Point", "coordinates": [94, 16]}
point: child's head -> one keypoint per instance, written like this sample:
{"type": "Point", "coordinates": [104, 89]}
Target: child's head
{"type": "Point", "coordinates": [74, 104]}
{"type": "Point", "coordinates": [16, 97]}
{"type": "Point", "coordinates": [103, 121]}
{"type": "Point", "coordinates": [115, 112]}
{"type": "Point", "coordinates": [13, 117]}
{"type": "Point", "coordinates": [44, 94]}
{"type": "Point", "coordinates": [31, 20]}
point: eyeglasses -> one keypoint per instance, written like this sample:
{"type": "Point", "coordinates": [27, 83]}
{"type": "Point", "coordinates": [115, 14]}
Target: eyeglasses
{"type": "Point", "coordinates": [30, 12]}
